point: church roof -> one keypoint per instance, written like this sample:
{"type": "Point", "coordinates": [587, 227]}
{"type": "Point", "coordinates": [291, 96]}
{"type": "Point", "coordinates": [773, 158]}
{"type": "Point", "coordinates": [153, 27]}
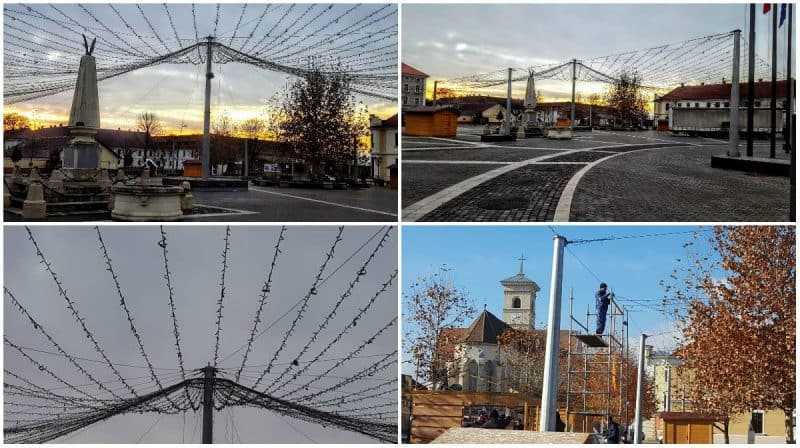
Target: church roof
{"type": "Point", "coordinates": [519, 279]}
{"type": "Point", "coordinates": [485, 329]}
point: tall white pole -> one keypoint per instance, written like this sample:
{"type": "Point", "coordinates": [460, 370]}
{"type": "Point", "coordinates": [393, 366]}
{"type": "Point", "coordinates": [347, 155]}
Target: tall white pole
{"type": "Point", "coordinates": [547, 421]}
{"type": "Point", "coordinates": [205, 153]}
{"type": "Point", "coordinates": [733, 135]}
{"type": "Point", "coordinates": [637, 421]}
{"type": "Point", "coordinates": [572, 106]}
{"type": "Point", "coordinates": [508, 105]}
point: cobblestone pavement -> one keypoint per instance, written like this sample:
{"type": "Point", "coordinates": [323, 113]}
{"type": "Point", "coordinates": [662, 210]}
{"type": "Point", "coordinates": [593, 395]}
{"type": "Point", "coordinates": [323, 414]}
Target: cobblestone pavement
{"type": "Point", "coordinates": [677, 184]}
{"type": "Point", "coordinates": [420, 180]}
{"type": "Point", "coordinates": [484, 154]}
{"type": "Point", "coordinates": [649, 176]}
{"type": "Point", "coordinates": [529, 193]}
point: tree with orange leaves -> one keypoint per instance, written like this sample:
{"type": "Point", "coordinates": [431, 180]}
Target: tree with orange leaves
{"type": "Point", "coordinates": [434, 305]}
{"type": "Point", "coordinates": [739, 322]}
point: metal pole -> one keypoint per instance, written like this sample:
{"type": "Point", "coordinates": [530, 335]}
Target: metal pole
{"type": "Point", "coordinates": [208, 404]}
{"type": "Point", "coordinates": [733, 134]}
{"type": "Point", "coordinates": [435, 85]}
{"type": "Point", "coordinates": [508, 105]}
{"type": "Point", "coordinates": [773, 103]}
{"type": "Point", "coordinates": [569, 358]}
{"type": "Point", "coordinates": [637, 421]}
{"type": "Point", "coordinates": [205, 153]}
{"type": "Point", "coordinates": [751, 89]}
{"type": "Point", "coordinates": [550, 383]}
{"type": "Point", "coordinates": [668, 401]}
{"type": "Point", "coordinates": [790, 123]}
{"type": "Point", "coordinates": [572, 106]}
{"type": "Point", "coordinates": [787, 146]}
{"type": "Point", "coordinates": [245, 168]}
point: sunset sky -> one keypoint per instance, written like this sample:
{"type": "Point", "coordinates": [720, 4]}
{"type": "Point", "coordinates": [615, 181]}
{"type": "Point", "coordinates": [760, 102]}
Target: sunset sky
{"type": "Point", "coordinates": [483, 38]}
{"type": "Point", "coordinates": [175, 91]}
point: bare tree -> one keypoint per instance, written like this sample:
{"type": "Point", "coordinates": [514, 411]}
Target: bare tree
{"type": "Point", "coordinates": [252, 129]}
{"type": "Point", "coordinates": [150, 124]}
{"type": "Point", "coordinates": [223, 125]}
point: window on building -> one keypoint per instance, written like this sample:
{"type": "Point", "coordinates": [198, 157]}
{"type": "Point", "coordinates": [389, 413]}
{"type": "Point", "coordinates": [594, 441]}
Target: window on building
{"type": "Point", "coordinates": [667, 106]}
{"type": "Point", "coordinates": [405, 87]}
{"type": "Point", "coordinates": [395, 139]}
{"type": "Point", "coordinates": [716, 104]}
{"type": "Point", "coordinates": [516, 303]}
{"type": "Point", "coordinates": [696, 105]}
{"type": "Point", "coordinates": [757, 419]}
{"type": "Point", "coordinates": [371, 140]}
{"type": "Point", "coordinates": [416, 101]}
{"type": "Point", "coordinates": [727, 104]}
{"type": "Point", "coordinates": [758, 103]}
{"type": "Point", "coordinates": [416, 89]}
{"type": "Point", "coordinates": [405, 100]}
{"type": "Point", "coordinates": [680, 105]}
{"type": "Point", "coordinates": [708, 103]}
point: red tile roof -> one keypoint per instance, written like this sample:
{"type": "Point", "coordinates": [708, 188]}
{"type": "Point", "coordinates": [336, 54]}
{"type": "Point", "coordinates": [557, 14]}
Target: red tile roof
{"type": "Point", "coordinates": [409, 70]}
{"type": "Point", "coordinates": [762, 89]}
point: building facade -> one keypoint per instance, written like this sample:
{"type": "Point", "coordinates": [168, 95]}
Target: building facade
{"type": "Point", "coordinates": [383, 146]}
{"type": "Point", "coordinates": [717, 96]}
{"type": "Point", "coordinates": [413, 87]}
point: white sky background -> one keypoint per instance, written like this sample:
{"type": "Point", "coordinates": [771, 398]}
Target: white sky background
{"type": "Point", "coordinates": [195, 262]}
{"type": "Point", "coordinates": [176, 91]}
{"type": "Point", "coordinates": [455, 40]}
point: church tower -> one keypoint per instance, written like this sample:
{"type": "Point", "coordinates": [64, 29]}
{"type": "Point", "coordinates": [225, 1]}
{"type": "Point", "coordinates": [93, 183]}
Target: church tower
{"type": "Point", "coordinates": [519, 299]}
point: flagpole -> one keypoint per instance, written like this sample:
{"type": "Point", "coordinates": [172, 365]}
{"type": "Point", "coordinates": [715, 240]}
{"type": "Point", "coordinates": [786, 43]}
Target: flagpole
{"type": "Point", "coordinates": [751, 94]}
{"type": "Point", "coordinates": [773, 104]}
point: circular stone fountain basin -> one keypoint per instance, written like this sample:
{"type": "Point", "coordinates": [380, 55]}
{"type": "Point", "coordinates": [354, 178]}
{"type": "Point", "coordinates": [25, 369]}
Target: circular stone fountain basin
{"type": "Point", "coordinates": [146, 203]}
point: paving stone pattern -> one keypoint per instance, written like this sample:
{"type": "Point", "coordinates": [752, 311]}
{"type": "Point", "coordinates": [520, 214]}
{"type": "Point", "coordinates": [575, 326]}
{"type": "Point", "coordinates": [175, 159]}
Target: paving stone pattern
{"type": "Point", "coordinates": [479, 154]}
{"type": "Point", "coordinates": [422, 180]}
{"type": "Point", "coordinates": [529, 193]}
{"type": "Point", "coordinates": [677, 184]}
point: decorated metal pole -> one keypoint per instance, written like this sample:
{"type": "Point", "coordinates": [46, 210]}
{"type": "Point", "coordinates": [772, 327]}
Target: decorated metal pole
{"type": "Point", "coordinates": [733, 131]}
{"type": "Point", "coordinates": [751, 89]}
{"type": "Point", "coordinates": [208, 404]}
{"type": "Point", "coordinates": [205, 154]}
{"type": "Point", "coordinates": [547, 421]}
{"type": "Point", "coordinates": [637, 421]}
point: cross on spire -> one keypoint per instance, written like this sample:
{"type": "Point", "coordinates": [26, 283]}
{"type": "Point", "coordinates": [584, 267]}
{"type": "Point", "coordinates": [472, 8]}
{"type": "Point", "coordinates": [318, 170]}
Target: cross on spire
{"type": "Point", "coordinates": [521, 262]}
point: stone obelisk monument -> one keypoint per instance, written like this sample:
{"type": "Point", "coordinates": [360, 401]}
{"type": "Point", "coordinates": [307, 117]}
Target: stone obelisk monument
{"type": "Point", "coordinates": [82, 154]}
{"type": "Point", "coordinates": [529, 106]}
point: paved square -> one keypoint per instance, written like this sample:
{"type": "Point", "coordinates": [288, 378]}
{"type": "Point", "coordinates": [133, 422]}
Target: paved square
{"type": "Point", "coordinates": [596, 176]}
{"type": "Point", "coordinates": [270, 204]}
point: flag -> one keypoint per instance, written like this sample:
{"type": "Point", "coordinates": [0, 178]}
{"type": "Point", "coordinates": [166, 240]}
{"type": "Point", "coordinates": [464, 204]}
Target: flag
{"type": "Point", "coordinates": [783, 14]}
{"type": "Point", "coordinates": [767, 7]}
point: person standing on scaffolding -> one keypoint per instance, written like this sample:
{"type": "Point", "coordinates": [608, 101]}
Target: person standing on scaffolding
{"type": "Point", "coordinates": [602, 299]}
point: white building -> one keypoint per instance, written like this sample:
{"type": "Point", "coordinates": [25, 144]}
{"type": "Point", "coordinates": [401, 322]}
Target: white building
{"type": "Point", "coordinates": [477, 365]}
{"type": "Point", "coordinates": [383, 146]}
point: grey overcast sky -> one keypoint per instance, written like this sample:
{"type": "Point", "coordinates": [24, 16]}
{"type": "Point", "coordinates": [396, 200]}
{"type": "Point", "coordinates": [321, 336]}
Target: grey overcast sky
{"type": "Point", "coordinates": [454, 40]}
{"type": "Point", "coordinates": [195, 262]}
{"type": "Point", "coordinates": [176, 91]}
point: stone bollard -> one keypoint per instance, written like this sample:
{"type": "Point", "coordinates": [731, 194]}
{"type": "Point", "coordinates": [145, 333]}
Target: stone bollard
{"type": "Point", "coordinates": [103, 181]}
{"type": "Point", "coordinates": [16, 176]}
{"type": "Point", "coordinates": [521, 132]}
{"type": "Point", "coordinates": [34, 176]}
{"type": "Point", "coordinates": [187, 199]}
{"type": "Point", "coordinates": [6, 196]}
{"type": "Point", "coordinates": [121, 175]}
{"type": "Point", "coordinates": [34, 206]}
{"type": "Point", "coordinates": [56, 181]}
{"type": "Point", "coordinates": [145, 177]}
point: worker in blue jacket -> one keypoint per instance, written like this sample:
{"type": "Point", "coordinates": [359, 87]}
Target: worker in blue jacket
{"type": "Point", "coordinates": [602, 299]}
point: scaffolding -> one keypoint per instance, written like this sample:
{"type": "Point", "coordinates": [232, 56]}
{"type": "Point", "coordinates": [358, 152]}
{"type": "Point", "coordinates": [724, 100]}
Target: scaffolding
{"type": "Point", "coordinates": [591, 356]}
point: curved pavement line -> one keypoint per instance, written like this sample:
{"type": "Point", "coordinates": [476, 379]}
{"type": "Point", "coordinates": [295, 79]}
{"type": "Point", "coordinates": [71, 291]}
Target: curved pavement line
{"type": "Point", "coordinates": [417, 210]}
{"type": "Point", "coordinates": [323, 202]}
{"type": "Point", "coordinates": [564, 206]}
